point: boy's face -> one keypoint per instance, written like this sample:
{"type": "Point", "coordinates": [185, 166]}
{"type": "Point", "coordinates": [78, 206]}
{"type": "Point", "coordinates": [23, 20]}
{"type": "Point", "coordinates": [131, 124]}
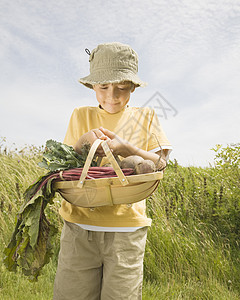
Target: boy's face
{"type": "Point", "coordinates": [113, 96]}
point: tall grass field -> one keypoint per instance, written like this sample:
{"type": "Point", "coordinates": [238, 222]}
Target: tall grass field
{"type": "Point", "coordinates": [193, 246]}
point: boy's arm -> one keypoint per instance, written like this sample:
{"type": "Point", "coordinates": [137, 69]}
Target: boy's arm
{"type": "Point", "coordinates": [124, 148]}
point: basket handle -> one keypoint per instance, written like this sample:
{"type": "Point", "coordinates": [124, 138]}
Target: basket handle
{"type": "Point", "coordinates": [114, 163]}
{"type": "Point", "coordinates": [110, 158]}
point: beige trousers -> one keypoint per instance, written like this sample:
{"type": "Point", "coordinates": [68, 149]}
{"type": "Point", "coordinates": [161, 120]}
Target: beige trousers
{"type": "Point", "coordinates": [99, 265]}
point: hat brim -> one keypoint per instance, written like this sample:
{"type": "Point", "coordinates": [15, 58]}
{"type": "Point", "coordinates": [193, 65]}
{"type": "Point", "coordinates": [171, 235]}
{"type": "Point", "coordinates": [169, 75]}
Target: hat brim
{"type": "Point", "coordinates": [111, 76]}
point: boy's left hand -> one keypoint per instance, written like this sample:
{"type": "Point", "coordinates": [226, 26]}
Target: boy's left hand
{"type": "Point", "coordinates": [118, 145]}
{"type": "Point", "coordinates": [123, 148]}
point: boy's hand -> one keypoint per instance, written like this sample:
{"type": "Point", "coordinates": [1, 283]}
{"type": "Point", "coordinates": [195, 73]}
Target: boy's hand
{"type": "Point", "coordinates": [118, 145]}
{"type": "Point", "coordinates": [124, 148]}
{"type": "Point", "coordinates": [91, 137]}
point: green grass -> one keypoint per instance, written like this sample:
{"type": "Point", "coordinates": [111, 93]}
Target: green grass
{"type": "Point", "coordinates": [192, 250]}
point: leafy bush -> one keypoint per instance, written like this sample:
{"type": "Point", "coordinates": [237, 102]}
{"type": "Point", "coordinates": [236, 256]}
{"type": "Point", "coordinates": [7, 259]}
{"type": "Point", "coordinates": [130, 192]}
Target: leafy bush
{"type": "Point", "coordinates": [228, 156]}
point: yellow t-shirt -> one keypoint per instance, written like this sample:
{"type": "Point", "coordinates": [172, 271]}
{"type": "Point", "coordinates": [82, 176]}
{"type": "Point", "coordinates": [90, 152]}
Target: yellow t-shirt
{"type": "Point", "coordinates": [139, 126]}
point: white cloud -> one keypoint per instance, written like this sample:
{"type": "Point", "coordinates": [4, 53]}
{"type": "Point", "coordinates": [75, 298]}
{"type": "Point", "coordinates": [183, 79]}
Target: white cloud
{"type": "Point", "coordinates": [188, 51]}
{"type": "Point", "coordinates": [33, 113]}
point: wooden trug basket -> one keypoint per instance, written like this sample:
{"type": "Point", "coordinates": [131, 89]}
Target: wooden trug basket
{"type": "Point", "coordinates": [107, 191]}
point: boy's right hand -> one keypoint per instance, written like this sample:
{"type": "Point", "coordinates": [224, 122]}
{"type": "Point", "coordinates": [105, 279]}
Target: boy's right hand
{"type": "Point", "coordinates": [90, 137]}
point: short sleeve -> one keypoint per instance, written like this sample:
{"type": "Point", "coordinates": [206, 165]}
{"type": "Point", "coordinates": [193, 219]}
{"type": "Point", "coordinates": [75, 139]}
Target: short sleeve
{"type": "Point", "coordinates": [157, 138]}
{"type": "Point", "coordinates": [72, 134]}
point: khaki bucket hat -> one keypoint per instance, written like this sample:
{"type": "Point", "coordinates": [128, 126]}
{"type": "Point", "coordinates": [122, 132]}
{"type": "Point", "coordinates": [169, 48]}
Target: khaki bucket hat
{"type": "Point", "coordinates": [112, 63]}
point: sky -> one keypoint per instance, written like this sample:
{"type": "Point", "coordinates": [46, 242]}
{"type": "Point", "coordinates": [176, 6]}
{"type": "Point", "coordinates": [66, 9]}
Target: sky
{"type": "Point", "coordinates": [189, 54]}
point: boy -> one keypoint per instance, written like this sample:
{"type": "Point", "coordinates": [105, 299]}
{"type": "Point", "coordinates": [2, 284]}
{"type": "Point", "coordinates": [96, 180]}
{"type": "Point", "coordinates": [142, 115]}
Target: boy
{"type": "Point", "coordinates": [102, 249]}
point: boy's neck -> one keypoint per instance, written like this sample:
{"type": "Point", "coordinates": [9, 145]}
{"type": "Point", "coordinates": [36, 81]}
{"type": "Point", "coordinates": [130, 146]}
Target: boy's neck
{"type": "Point", "coordinates": [103, 108]}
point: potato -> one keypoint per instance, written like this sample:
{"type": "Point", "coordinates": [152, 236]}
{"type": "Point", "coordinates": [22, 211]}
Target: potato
{"type": "Point", "coordinates": [131, 162]}
{"type": "Point", "coordinates": [147, 166]}
{"type": "Point", "coordinates": [138, 164]}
